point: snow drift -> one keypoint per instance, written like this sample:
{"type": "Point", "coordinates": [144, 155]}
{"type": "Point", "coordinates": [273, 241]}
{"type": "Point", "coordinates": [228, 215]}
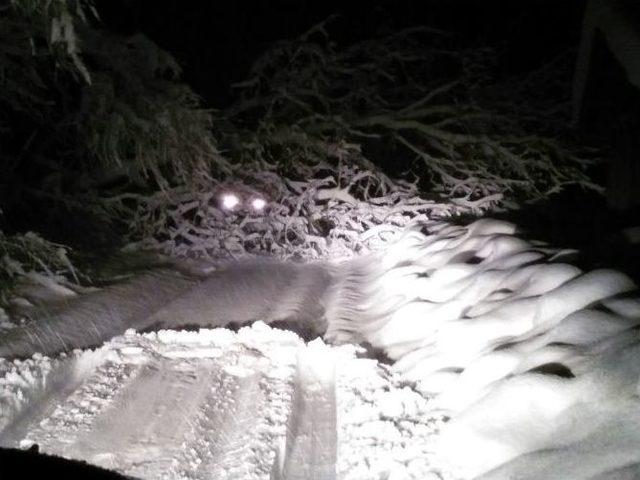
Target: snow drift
{"type": "Point", "coordinates": [535, 362]}
{"type": "Point", "coordinates": [533, 359]}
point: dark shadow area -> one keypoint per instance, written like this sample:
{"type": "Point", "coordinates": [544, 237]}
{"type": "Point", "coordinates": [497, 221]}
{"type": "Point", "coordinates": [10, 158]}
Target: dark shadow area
{"type": "Point", "coordinates": [555, 369]}
{"type": "Point", "coordinates": [374, 353]}
{"type": "Point", "coordinates": [24, 464]}
{"type": "Point", "coordinates": [216, 42]}
{"type": "Point", "coordinates": [583, 221]}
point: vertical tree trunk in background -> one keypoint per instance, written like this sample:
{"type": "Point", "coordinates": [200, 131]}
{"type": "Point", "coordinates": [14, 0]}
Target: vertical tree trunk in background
{"type": "Point", "coordinates": [606, 92]}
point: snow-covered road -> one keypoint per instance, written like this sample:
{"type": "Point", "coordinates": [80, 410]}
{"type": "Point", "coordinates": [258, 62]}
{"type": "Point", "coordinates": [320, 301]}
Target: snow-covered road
{"type": "Point", "coordinates": [255, 404]}
{"type": "Point", "coordinates": [507, 362]}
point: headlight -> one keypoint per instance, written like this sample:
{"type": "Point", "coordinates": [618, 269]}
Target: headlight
{"type": "Point", "coordinates": [229, 201]}
{"type": "Point", "coordinates": [258, 204]}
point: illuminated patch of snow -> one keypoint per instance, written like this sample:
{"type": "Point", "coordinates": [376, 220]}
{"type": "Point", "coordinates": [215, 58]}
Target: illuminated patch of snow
{"type": "Point", "coordinates": [507, 364]}
{"type": "Point", "coordinates": [156, 406]}
{"type": "Point", "coordinates": [532, 359]}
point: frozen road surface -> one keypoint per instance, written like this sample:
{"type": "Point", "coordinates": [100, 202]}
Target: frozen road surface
{"type": "Point", "coordinates": [256, 404]}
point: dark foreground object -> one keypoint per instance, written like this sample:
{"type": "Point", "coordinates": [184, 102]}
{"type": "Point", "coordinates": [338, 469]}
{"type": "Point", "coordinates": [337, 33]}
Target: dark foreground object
{"type": "Point", "coordinates": [22, 464]}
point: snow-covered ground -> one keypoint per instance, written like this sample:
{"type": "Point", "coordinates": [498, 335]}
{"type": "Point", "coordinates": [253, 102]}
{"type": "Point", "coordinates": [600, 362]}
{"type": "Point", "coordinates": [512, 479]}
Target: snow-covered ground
{"type": "Point", "coordinates": [508, 363]}
{"type": "Point", "coordinates": [219, 404]}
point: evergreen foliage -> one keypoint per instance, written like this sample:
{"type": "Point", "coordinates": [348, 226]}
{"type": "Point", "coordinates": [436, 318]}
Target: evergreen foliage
{"type": "Point", "coordinates": [85, 115]}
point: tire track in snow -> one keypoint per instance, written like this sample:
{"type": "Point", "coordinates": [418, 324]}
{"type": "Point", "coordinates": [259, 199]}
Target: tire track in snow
{"type": "Point", "coordinates": [73, 415]}
{"type": "Point", "coordinates": [219, 404]}
{"type": "Point", "coordinates": [311, 442]}
{"type": "Point", "coordinates": [143, 429]}
{"type": "Point", "coordinates": [226, 427]}
{"type": "Point", "coordinates": [171, 410]}
{"type": "Point", "coordinates": [159, 414]}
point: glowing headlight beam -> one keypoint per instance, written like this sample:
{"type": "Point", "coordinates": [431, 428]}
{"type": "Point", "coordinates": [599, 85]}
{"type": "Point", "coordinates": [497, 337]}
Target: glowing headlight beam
{"type": "Point", "coordinates": [258, 204]}
{"type": "Point", "coordinates": [229, 201]}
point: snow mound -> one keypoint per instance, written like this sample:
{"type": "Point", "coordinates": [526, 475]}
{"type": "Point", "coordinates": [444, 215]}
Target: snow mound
{"type": "Point", "coordinates": [534, 360]}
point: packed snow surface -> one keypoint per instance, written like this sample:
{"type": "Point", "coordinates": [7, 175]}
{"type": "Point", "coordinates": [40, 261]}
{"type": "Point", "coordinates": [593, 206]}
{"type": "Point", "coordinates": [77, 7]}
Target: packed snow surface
{"type": "Point", "coordinates": [507, 362]}
{"type": "Point", "coordinates": [219, 404]}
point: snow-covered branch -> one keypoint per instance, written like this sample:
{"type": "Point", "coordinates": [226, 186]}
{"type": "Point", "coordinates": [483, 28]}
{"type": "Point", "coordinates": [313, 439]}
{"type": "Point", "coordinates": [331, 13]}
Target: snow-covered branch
{"type": "Point", "coordinates": [433, 105]}
{"type": "Point", "coordinates": [337, 211]}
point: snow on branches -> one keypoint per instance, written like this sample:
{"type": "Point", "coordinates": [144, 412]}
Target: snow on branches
{"type": "Point", "coordinates": [313, 123]}
{"type": "Point", "coordinates": [309, 130]}
{"type": "Point", "coordinates": [327, 211]}
{"type": "Point", "coordinates": [30, 257]}
{"type": "Point", "coordinates": [416, 95]}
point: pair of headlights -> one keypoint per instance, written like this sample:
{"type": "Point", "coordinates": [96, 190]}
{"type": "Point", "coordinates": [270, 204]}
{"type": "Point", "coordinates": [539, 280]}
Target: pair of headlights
{"type": "Point", "coordinates": [231, 201]}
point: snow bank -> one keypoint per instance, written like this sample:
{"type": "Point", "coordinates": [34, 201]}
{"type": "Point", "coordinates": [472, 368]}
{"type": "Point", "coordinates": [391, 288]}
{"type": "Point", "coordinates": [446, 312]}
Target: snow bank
{"type": "Point", "coordinates": [536, 362]}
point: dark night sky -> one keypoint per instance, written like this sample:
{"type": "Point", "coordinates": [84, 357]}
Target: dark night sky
{"type": "Point", "coordinates": [216, 41]}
